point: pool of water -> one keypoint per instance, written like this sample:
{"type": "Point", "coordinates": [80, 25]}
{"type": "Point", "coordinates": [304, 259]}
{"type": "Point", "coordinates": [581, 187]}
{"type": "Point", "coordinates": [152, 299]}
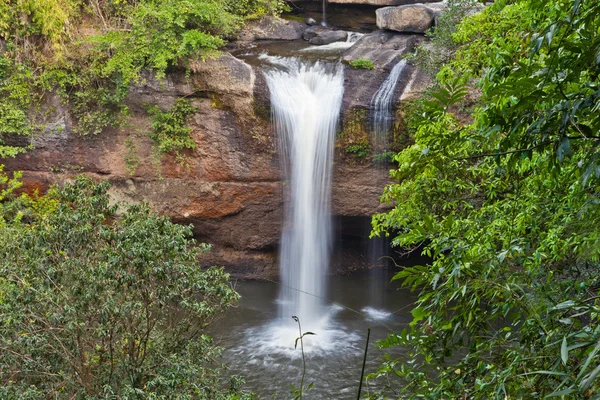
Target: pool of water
{"type": "Point", "coordinates": [260, 346]}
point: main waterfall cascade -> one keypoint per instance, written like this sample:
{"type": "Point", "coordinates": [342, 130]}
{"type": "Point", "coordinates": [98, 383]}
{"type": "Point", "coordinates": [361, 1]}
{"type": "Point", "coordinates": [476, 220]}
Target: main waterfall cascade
{"type": "Point", "coordinates": [306, 101]}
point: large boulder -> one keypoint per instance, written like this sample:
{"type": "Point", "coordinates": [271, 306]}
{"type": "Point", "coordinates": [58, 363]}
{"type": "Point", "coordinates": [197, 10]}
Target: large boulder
{"type": "Point", "coordinates": [314, 31]}
{"type": "Point", "coordinates": [273, 28]}
{"type": "Point", "coordinates": [415, 18]}
{"type": "Point", "coordinates": [328, 36]}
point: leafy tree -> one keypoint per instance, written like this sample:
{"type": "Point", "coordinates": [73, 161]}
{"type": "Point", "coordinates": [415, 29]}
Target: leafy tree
{"type": "Point", "coordinates": [505, 202]}
{"type": "Point", "coordinates": [97, 302]}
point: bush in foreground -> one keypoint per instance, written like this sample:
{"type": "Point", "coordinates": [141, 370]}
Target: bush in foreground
{"type": "Point", "coordinates": [95, 305]}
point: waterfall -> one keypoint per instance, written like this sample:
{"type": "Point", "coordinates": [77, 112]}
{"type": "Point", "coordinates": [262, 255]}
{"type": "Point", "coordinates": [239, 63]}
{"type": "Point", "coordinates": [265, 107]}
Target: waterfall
{"type": "Point", "coordinates": [381, 107]}
{"type": "Point", "coordinates": [324, 21]}
{"type": "Point", "coordinates": [306, 101]}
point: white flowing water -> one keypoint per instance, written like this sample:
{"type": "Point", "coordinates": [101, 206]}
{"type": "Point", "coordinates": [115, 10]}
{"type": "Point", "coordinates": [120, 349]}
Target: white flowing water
{"type": "Point", "coordinates": [306, 101]}
{"type": "Point", "coordinates": [324, 20]}
{"type": "Point", "coordinates": [381, 106]}
{"type": "Point", "coordinates": [336, 46]}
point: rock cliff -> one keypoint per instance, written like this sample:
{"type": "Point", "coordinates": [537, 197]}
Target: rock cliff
{"type": "Point", "coordinates": [229, 187]}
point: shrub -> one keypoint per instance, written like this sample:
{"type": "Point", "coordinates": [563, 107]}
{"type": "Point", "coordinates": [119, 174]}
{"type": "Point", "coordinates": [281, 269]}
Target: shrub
{"type": "Point", "coordinates": [362, 63]}
{"type": "Point", "coordinates": [360, 150]}
{"type": "Point", "coordinates": [169, 128]}
{"type": "Point", "coordinates": [98, 306]}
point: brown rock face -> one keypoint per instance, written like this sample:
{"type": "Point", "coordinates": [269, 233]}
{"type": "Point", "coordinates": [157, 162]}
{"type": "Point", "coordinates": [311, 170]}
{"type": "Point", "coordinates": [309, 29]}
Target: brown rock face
{"type": "Point", "coordinates": [385, 49]}
{"type": "Point", "coordinates": [229, 187]}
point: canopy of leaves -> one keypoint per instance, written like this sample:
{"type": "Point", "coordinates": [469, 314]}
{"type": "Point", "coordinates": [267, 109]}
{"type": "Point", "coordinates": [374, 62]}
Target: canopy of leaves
{"type": "Point", "coordinates": [506, 205]}
{"type": "Point", "coordinates": [95, 305]}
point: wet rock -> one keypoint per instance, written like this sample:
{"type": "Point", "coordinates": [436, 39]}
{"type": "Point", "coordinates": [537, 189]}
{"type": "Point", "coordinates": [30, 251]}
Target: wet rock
{"type": "Point", "coordinates": [381, 47]}
{"type": "Point", "coordinates": [415, 18]}
{"type": "Point", "coordinates": [314, 31]}
{"type": "Point", "coordinates": [273, 28]}
{"type": "Point", "coordinates": [329, 37]}
{"type": "Point", "coordinates": [311, 22]}
{"type": "Point", "coordinates": [418, 83]}
{"type": "Point", "coordinates": [320, 35]}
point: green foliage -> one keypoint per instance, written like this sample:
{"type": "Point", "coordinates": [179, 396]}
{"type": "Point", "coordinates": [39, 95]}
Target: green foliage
{"type": "Point", "coordinates": [15, 99]}
{"type": "Point", "coordinates": [506, 206]}
{"type": "Point", "coordinates": [362, 63]}
{"type": "Point", "coordinates": [355, 134]}
{"type": "Point", "coordinates": [169, 129]}
{"type": "Point", "coordinates": [8, 186]}
{"type": "Point", "coordinates": [92, 51]}
{"type": "Point", "coordinates": [433, 54]}
{"type": "Point", "coordinates": [360, 150]}
{"type": "Point", "coordinates": [384, 158]}
{"type": "Point", "coordinates": [253, 9]}
{"type": "Point", "coordinates": [161, 34]}
{"type": "Point", "coordinates": [446, 95]}
{"type": "Point", "coordinates": [98, 306]}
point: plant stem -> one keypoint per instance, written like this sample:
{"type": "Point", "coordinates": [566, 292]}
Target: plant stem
{"type": "Point", "coordinates": [362, 373]}
{"type": "Point", "coordinates": [303, 359]}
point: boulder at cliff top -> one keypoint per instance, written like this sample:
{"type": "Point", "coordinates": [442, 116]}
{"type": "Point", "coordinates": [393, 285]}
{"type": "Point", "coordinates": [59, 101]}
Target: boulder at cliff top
{"type": "Point", "coordinates": [415, 18]}
{"type": "Point", "coordinates": [329, 37]}
{"type": "Point", "coordinates": [314, 31]}
{"type": "Point", "coordinates": [273, 28]}
{"type": "Point", "coordinates": [319, 35]}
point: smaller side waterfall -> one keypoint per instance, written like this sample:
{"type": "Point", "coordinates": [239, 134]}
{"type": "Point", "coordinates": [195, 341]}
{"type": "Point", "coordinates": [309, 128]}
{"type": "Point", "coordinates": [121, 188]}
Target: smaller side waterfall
{"type": "Point", "coordinates": [381, 107]}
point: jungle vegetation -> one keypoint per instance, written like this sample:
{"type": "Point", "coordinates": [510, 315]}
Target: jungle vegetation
{"type": "Point", "coordinates": [500, 189]}
{"type": "Point", "coordinates": [102, 302]}
{"type": "Point", "coordinates": [90, 52]}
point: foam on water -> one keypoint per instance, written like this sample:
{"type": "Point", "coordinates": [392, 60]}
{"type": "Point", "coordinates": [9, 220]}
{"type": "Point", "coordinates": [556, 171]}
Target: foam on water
{"type": "Point", "coordinates": [375, 314]}
{"type": "Point", "coordinates": [277, 340]}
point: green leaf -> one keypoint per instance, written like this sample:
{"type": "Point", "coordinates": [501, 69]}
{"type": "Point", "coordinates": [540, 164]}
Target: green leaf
{"type": "Point", "coordinates": [587, 382]}
{"type": "Point", "coordinates": [564, 351]}
{"type": "Point", "coordinates": [564, 149]}
{"type": "Point", "coordinates": [563, 392]}
{"type": "Point", "coordinates": [563, 305]}
{"type": "Point", "coordinates": [418, 314]}
{"type": "Point", "coordinates": [544, 372]}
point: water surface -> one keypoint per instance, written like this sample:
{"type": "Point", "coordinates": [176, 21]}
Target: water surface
{"type": "Point", "coordinates": [260, 346]}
